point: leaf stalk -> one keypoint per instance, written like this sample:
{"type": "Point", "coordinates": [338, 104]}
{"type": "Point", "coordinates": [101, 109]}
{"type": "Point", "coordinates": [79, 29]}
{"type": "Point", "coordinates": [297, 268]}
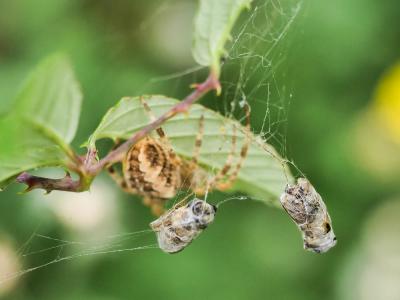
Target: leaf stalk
{"type": "Point", "coordinates": [89, 167]}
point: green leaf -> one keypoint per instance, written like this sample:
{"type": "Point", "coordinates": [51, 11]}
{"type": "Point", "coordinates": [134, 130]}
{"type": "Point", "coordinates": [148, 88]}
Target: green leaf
{"type": "Point", "coordinates": [51, 98]}
{"type": "Point", "coordinates": [44, 119]}
{"type": "Point", "coordinates": [264, 174]}
{"type": "Point", "coordinates": [212, 27]}
{"type": "Point", "coordinates": [24, 147]}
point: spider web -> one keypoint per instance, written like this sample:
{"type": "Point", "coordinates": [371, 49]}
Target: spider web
{"type": "Point", "coordinates": [253, 72]}
{"type": "Point", "coordinates": [255, 69]}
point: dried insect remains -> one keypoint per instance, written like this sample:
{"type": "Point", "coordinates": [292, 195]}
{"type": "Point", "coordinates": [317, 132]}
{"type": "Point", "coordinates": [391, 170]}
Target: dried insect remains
{"type": "Point", "coordinates": [307, 209]}
{"type": "Point", "coordinates": [178, 227]}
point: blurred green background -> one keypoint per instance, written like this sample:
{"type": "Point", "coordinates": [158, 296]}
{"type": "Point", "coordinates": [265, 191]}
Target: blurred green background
{"type": "Point", "coordinates": [322, 82]}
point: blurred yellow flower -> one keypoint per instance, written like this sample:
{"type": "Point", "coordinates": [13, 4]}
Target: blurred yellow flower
{"type": "Point", "coordinates": [377, 129]}
{"type": "Point", "coordinates": [387, 102]}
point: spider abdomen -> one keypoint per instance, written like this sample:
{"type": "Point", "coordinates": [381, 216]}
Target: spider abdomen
{"type": "Point", "coordinates": [152, 169]}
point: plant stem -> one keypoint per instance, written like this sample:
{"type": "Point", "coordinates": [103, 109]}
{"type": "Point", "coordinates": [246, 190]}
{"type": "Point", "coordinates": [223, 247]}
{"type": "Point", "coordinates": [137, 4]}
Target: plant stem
{"type": "Point", "coordinates": [88, 168]}
{"type": "Point", "coordinates": [211, 83]}
{"type": "Point", "coordinates": [64, 184]}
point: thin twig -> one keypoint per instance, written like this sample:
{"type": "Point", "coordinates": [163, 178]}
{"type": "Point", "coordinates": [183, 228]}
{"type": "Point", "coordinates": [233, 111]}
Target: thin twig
{"type": "Point", "coordinates": [88, 167]}
{"type": "Point", "coordinates": [63, 184]}
{"type": "Point", "coordinates": [117, 155]}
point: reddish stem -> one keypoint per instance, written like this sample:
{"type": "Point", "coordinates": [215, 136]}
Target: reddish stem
{"type": "Point", "coordinates": [64, 184]}
{"type": "Point", "coordinates": [117, 155]}
{"type": "Point", "coordinates": [88, 168]}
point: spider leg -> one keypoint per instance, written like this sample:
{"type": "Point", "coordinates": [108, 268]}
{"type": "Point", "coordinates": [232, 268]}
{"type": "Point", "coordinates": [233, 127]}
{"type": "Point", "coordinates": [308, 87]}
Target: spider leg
{"type": "Point", "coordinates": [211, 183]}
{"type": "Point", "coordinates": [190, 171]}
{"type": "Point", "coordinates": [215, 181]}
{"type": "Point", "coordinates": [196, 175]}
{"type": "Point", "coordinates": [159, 130]}
{"type": "Point", "coordinates": [119, 180]}
{"type": "Point", "coordinates": [152, 118]}
{"type": "Point", "coordinates": [156, 205]}
{"type": "Point", "coordinates": [198, 142]}
{"type": "Point", "coordinates": [243, 153]}
{"type": "Point", "coordinates": [184, 201]}
{"type": "Point", "coordinates": [116, 176]}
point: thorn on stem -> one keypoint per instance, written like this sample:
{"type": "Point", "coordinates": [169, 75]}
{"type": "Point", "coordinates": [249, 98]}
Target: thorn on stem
{"type": "Point", "coordinates": [49, 185]}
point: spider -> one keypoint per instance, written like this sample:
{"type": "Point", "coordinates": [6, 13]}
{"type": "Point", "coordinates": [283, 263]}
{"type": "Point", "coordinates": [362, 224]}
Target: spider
{"type": "Point", "coordinates": [154, 171]}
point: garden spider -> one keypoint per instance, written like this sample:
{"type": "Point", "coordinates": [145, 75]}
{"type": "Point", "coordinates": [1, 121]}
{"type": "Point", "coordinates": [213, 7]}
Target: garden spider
{"type": "Point", "coordinates": [153, 170]}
